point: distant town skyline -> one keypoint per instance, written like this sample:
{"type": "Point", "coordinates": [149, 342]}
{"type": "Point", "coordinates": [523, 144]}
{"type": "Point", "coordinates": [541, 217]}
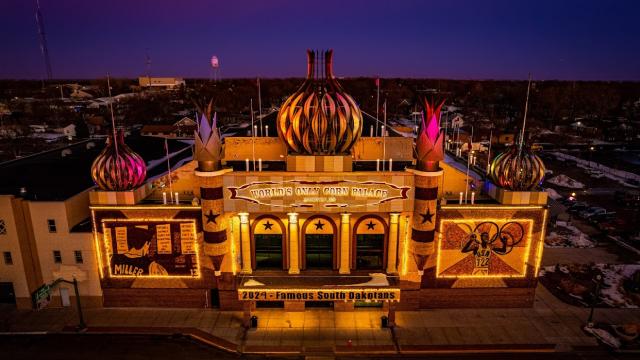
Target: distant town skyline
{"type": "Point", "coordinates": [565, 40]}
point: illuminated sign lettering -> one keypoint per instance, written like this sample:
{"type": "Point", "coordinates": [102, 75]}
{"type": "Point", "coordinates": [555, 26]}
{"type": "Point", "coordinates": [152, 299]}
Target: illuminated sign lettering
{"type": "Point", "coordinates": [299, 193]}
{"type": "Point", "coordinates": [319, 294]}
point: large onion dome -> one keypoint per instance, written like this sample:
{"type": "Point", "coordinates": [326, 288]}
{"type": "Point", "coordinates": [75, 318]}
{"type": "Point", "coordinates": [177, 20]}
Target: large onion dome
{"type": "Point", "coordinates": [320, 118]}
{"type": "Point", "coordinates": [517, 169]}
{"type": "Point", "coordinates": [117, 167]}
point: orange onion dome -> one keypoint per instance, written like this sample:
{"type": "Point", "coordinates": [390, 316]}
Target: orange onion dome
{"type": "Point", "coordinates": [117, 167]}
{"type": "Point", "coordinates": [517, 169]}
{"type": "Point", "coordinates": [320, 118]}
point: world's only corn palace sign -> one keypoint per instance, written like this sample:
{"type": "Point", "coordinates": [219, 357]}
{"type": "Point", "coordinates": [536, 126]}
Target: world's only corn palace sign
{"type": "Point", "coordinates": [296, 194]}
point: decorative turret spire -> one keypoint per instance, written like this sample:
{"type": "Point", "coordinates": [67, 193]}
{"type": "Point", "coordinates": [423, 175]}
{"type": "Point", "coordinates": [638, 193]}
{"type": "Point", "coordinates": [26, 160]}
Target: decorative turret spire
{"type": "Point", "coordinates": [518, 168]}
{"type": "Point", "coordinates": [207, 140]}
{"type": "Point", "coordinates": [429, 150]}
{"type": "Point", "coordinates": [320, 118]}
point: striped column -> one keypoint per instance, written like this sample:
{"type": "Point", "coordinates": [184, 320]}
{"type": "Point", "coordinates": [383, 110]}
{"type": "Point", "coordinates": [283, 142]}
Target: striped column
{"type": "Point", "coordinates": [424, 217]}
{"type": "Point", "coordinates": [214, 221]}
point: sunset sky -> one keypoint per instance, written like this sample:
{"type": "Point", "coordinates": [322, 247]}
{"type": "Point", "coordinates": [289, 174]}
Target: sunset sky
{"type": "Point", "coordinates": [582, 40]}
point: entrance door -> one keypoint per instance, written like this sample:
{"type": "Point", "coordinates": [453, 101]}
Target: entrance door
{"type": "Point", "coordinates": [64, 297]}
{"type": "Point", "coordinates": [268, 244]}
{"type": "Point", "coordinates": [319, 251]}
{"type": "Point", "coordinates": [7, 294]}
{"type": "Point", "coordinates": [370, 251]}
{"type": "Point", "coordinates": [268, 251]}
{"type": "Point", "coordinates": [369, 243]}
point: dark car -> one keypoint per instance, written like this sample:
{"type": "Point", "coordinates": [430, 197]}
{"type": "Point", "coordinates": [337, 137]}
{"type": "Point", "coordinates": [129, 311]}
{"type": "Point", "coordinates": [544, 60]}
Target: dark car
{"type": "Point", "coordinates": [577, 207]}
{"type": "Point", "coordinates": [599, 218]}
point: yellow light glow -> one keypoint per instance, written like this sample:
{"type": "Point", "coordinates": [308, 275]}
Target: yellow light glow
{"type": "Point", "coordinates": [494, 207]}
{"type": "Point", "coordinates": [144, 207]}
{"type": "Point", "coordinates": [96, 243]}
{"type": "Point", "coordinates": [233, 246]}
{"type": "Point", "coordinates": [524, 259]}
{"type": "Point", "coordinates": [538, 259]}
{"type": "Point", "coordinates": [405, 250]}
{"type": "Point", "coordinates": [196, 247]}
{"type": "Point", "coordinates": [262, 293]}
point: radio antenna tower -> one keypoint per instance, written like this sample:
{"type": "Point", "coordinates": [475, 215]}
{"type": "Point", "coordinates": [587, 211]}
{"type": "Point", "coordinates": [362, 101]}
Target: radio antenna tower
{"type": "Point", "coordinates": [43, 40]}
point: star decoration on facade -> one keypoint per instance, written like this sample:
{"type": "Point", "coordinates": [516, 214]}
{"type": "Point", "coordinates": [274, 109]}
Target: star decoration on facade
{"type": "Point", "coordinates": [428, 216]}
{"type": "Point", "coordinates": [370, 225]}
{"type": "Point", "coordinates": [211, 217]}
{"type": "Point", "coordinates": [267, 225]}
{"type": "Point", "coordinates": [319, 225]}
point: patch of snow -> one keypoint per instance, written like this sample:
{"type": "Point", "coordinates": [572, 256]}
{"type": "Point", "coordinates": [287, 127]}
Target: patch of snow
{"type": "Point", "coordinates": [567, 236]}
{"type": "Point", "coordinates": [613, 294]}
{"type": "Point", "coordinates": [553, 194]}
{"type": "Point", "coordinates": [253, 282]}
{"type": "Point", "coordinates": [565, 181]}
{"type": "Point", "coordinates": [604, 336]}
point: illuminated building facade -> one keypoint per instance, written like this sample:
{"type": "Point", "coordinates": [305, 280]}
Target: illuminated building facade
{"type": "Point", "coordinates": [321, 215]}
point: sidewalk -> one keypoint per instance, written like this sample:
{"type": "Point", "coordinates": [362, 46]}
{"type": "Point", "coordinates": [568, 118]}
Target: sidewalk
{"type": "Point", "coordinates": [550, 322]}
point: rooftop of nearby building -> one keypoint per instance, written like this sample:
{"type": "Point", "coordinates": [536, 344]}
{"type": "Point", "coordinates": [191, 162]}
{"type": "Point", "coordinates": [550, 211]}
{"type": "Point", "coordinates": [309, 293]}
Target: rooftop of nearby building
{"type": "Point", "coordinates": [59, 174]}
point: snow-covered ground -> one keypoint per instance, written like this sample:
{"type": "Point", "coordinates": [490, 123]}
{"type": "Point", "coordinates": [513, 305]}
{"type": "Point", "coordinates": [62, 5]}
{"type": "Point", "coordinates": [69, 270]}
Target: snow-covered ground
{"type": "Point", "coordinates": [553, 193]}
{"type": "Point", "coordinates": [565, 181]}
{"type": "Point", "coordinates": [620, 176]}
{"type": "Point", "coordinates": [566, 235]}
{"type": "Point", "coordinates": [614, 295]}
{"type": "Point", "coordinates": [612, 292]}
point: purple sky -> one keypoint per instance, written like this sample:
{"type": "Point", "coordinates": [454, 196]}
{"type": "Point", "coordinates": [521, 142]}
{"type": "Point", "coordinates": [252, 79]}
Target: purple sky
{"type": "Point", "coordinates": [473, 39]}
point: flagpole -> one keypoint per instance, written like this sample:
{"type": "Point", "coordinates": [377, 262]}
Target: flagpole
{"type": "Point", "coordinates": [113, 119]}
{"type": "Point", "coordinates": [166, 151]}
{"type": "Point", "coordinates": [260, 107]}
{"type": "Point", "coordinates": [384, 137]}
{"type": "Point", "coordinates": [466, 186]}
{"type": "Point", "coordinates": [377, 105]}
{"type": "Point", "coordinates": [253, 137]}
{"type": "Point", "coordinates": [489, 151]}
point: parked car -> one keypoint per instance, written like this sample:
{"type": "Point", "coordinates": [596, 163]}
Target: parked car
{"type": "Point", "coordinates": [577, 207]}
{"type": "Point", "coordinates": [606, 217]}
{"type": "Point", "coordinates": [594, 210]}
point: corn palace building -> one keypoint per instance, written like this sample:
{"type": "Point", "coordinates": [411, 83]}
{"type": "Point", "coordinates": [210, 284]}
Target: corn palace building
{"type": "Point", "coordinates": [319, 216]}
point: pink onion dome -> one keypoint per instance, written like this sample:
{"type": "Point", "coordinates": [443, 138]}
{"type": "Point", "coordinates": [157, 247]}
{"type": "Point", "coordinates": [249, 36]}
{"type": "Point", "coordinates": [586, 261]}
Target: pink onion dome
{"type": "Point", "coordinates": [320, 118]}
{"type": "Point", "coordinates": [117, 167]}
{"type": "Point", "coordinates": [517, 169]}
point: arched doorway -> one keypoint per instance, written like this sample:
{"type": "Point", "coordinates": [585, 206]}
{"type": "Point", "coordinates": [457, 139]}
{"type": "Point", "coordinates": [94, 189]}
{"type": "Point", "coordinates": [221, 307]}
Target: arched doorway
{"type": "Point", "coordinates": [369, 246]}
{"type": "Point", "coordinates": [269, 243]}
{"type": "Point", "coordinates": [319, 235]}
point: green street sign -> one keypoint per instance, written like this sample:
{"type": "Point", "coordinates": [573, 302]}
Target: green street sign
{"type": "Point", "coordinates": [41, 296]}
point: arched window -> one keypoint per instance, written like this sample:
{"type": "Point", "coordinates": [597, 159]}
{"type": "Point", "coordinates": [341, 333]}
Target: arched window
{"type": "Point", "coordinates": [370, 243]}
{"type": "Point", "coordinates": [319, 243]}
{"type": "Point", "coordinates": [269, 243]}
